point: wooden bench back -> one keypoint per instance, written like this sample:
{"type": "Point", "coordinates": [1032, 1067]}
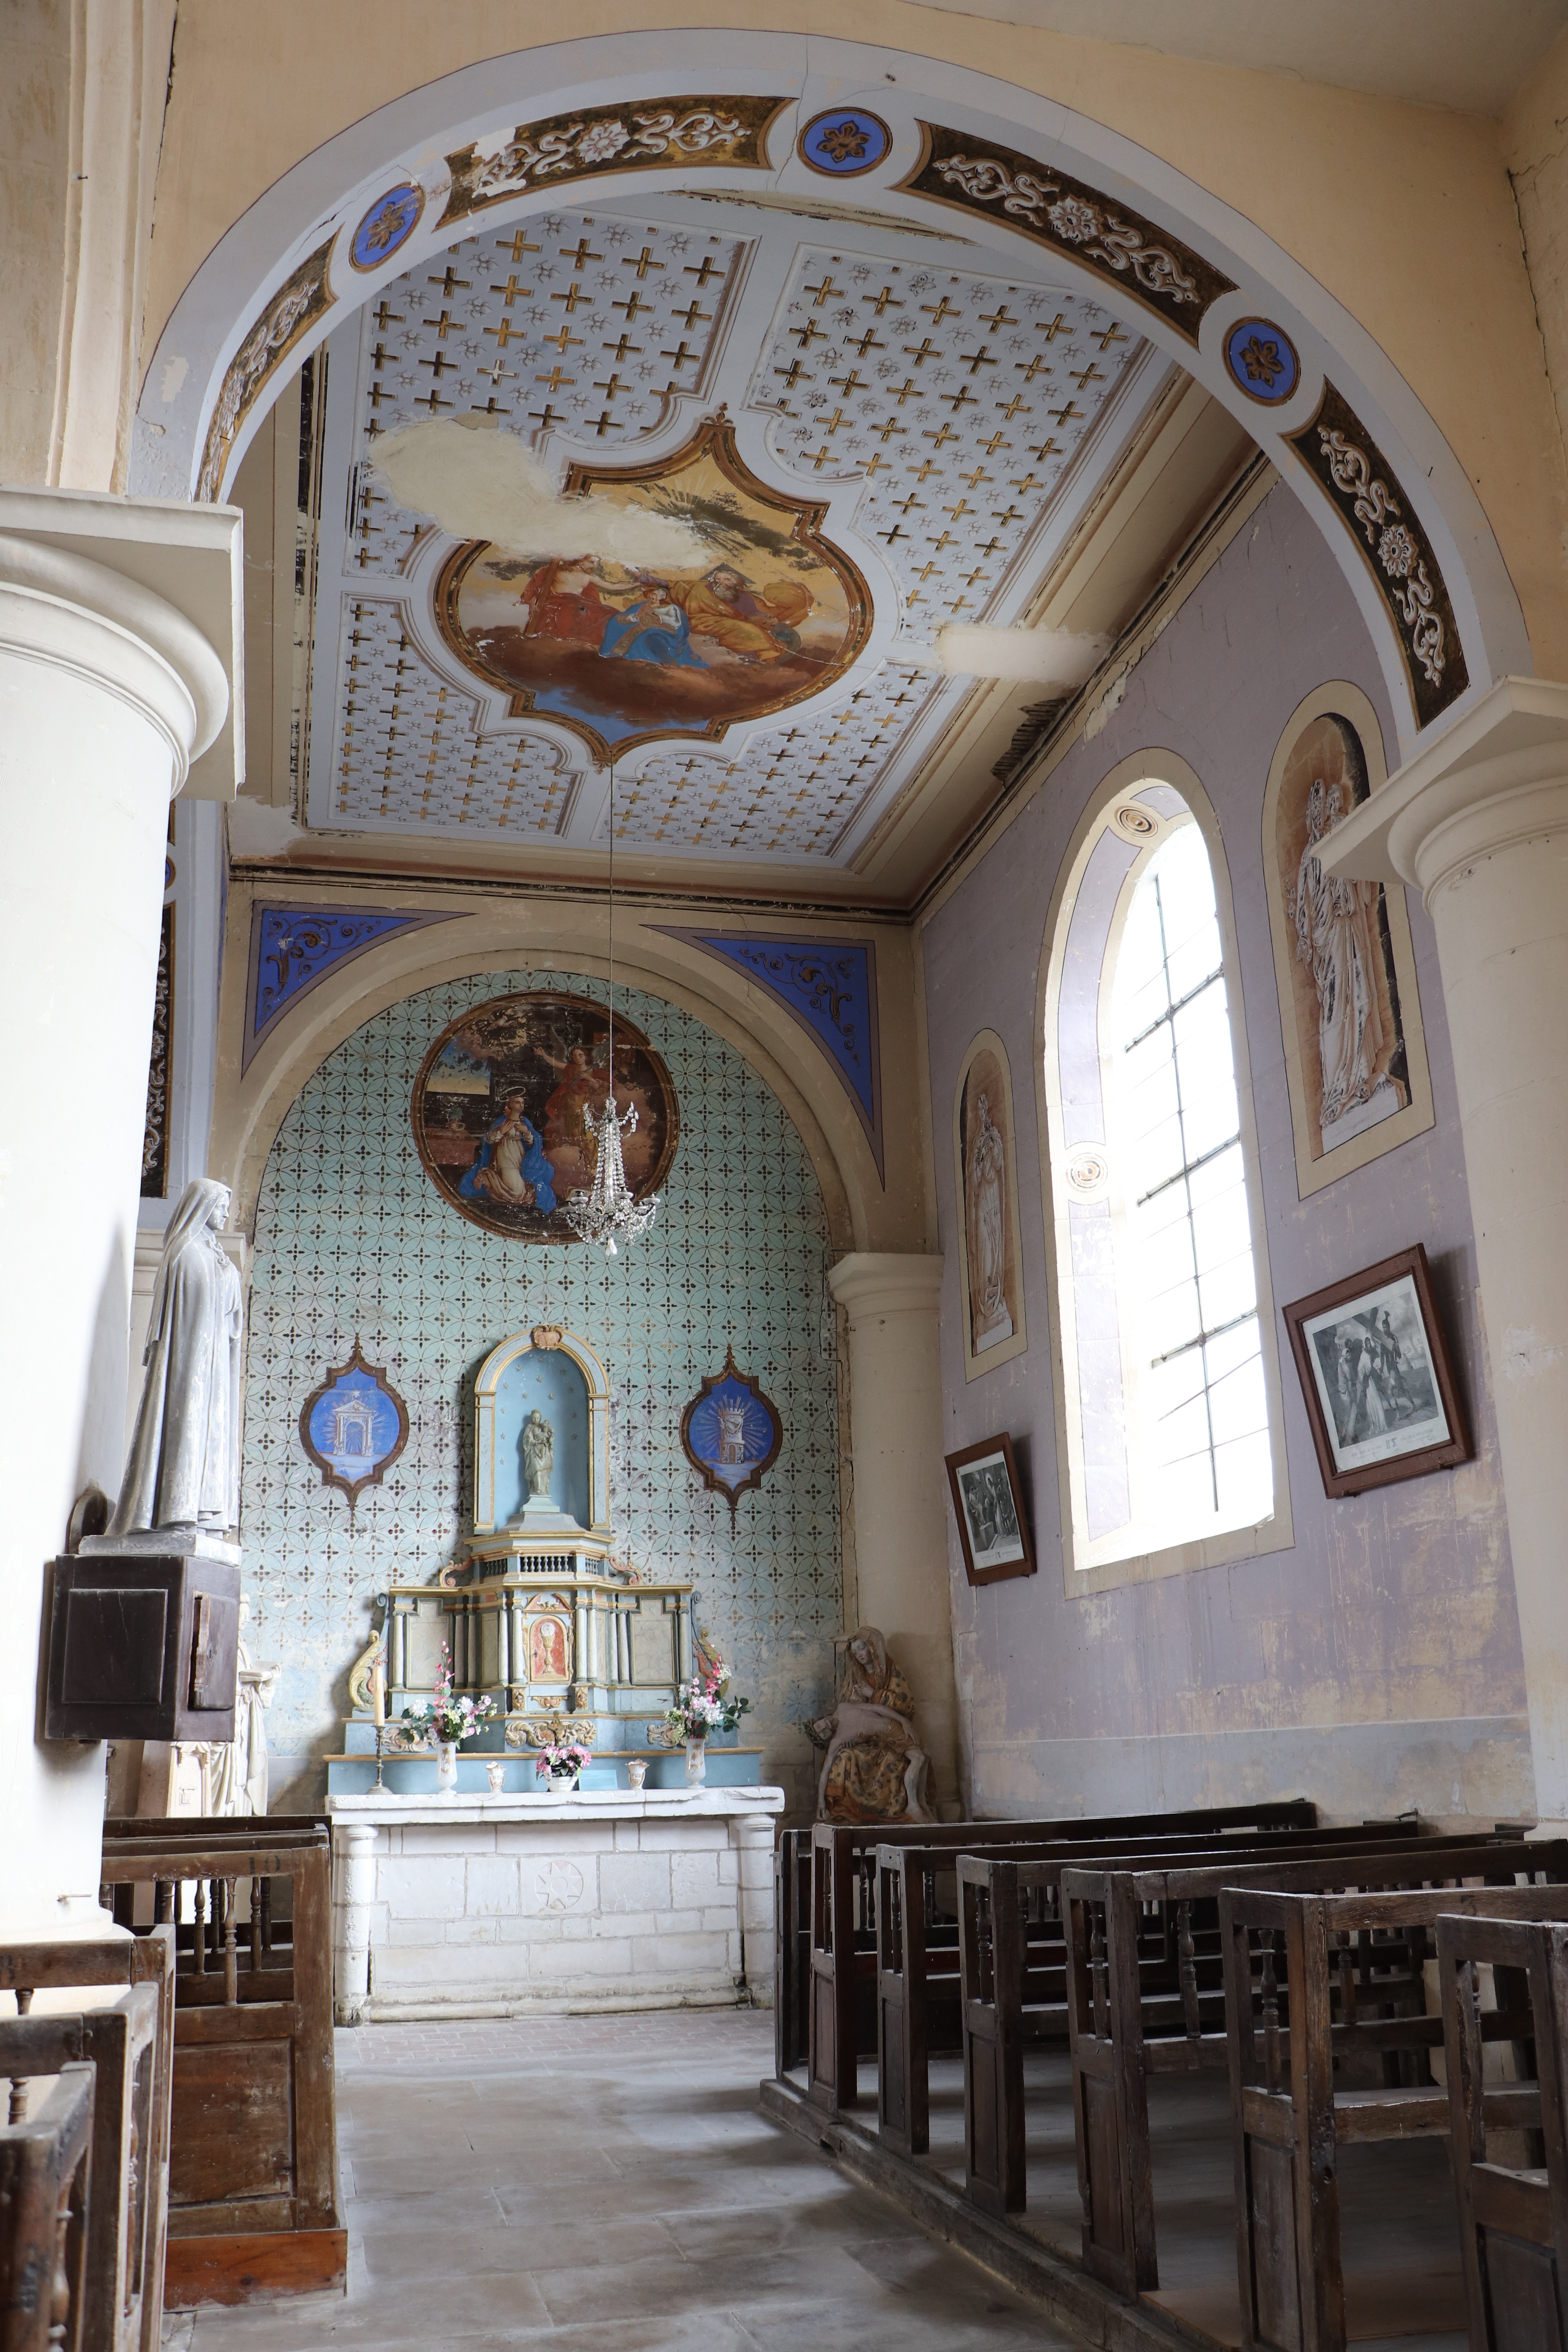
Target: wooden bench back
{"type": "Point", "coordinates": [1316, 1981]}
{"type": "Point", "coordinates": [45, 2190]}
{"type": "Point", "coordinates": [129, 2210]}
{"type": "Point", "coordinates": [1513, 2220]}
{"type": "Point", "coordinates": [253, 2141]}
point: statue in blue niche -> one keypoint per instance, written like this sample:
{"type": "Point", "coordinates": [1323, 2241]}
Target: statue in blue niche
{"type": "Point", "coordinates": [511, 1166]}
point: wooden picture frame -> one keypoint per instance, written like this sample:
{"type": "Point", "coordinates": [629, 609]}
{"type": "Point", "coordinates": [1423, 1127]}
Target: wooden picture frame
{"type": "Point", "coordinates": [988, 1503]}
{"type": "Point", "coordinates": [1377, 1377]}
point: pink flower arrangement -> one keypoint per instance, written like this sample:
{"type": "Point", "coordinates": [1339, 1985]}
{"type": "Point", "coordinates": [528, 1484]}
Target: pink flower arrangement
{"type": "Point", "coordinates": [450, 1717]}
{"type": "Point", "coordinates": [703, 1704]}
{"type": "Point", "coordinates": [562, 1761]}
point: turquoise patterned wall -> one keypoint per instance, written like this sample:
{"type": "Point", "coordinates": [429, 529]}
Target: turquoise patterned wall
{"type": "Point", "coordinates": [352, 1239]}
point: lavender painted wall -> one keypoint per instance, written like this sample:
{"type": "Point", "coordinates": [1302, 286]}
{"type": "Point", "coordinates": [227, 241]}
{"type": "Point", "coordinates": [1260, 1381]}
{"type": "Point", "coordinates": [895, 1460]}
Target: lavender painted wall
{"type": "Point", "coordinates": [1377, 1663]}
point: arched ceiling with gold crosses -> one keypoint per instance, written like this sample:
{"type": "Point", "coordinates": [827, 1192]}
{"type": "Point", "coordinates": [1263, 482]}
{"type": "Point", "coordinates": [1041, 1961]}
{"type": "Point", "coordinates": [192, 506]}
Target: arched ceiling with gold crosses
{"type": "Point", "coordinates": [868, 431]}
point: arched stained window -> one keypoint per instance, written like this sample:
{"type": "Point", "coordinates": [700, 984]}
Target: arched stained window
{"type": "Point", "coordinates": [1170, 1425]}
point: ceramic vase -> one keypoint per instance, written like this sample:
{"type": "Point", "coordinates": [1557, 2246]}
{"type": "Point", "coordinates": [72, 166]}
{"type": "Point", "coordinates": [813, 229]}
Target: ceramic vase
{"type": "Point", "coordinates": [696, 1762]}
{"type": "Point", "coordinates": [637, 1772]}
{"type": "Point", "coordinates": [495, 1773]}
{"type": "Point", "coordinates": [446, 1767]}
{"type": "Point", "coordinates": [563, 1784]}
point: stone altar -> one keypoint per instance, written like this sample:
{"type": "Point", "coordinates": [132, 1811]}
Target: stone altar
{"type": "Point", "coordinates": [497, 1906]}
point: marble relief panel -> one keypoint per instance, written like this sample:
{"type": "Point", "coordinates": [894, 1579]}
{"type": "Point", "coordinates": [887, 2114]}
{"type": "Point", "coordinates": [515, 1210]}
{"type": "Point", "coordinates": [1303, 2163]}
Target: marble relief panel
{"type": "Point", "coordinates": [353, 1240]}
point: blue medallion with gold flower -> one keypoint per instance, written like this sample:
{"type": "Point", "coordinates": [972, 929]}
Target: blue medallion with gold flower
{"type": "Point", "coordinates": [1262, 360]}
{"type": "Point", "coordinates": [845, 141]}
{"type": "Point", "coordinates": [388, 225]}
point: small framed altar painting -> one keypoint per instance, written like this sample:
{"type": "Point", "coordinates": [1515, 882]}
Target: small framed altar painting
{"type": "Point", "coordinates": [991, 1524]}
{"type": "Point", "coordinates": [1376, 1373]}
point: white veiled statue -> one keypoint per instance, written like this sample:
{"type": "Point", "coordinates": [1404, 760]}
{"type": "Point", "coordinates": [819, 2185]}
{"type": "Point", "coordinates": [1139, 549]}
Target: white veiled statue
{"type": "Point", "coordinates": [182, 1469]}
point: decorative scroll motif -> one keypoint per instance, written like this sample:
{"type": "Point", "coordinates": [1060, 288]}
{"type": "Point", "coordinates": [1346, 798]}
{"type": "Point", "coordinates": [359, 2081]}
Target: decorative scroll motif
{"type": "Point", "coordinates": [662, 134]}
{"type": "Point", "coordinates": [845, 141]}
{"type": "Point", "coordinates": [298, 302]}
{"type": "Point", "coordinates": [1263, 361]}
{"type": "Point", "coordinates": [1072, 217]}
{"type": "Point", "coordinates": [547, 1336]}
{"type": "Point", "coordinates": [155, 1133]}
{"type": "Point", "coordinates": [550, 1730]}
{"type": "Point", "coordinates": [829, 988]}
{"type": "Point", "coordinates": [293, 948]}
{"type": "Point", "coordinates": [731, 1432]}
{"type": "Point", "coordinates": [387, 226]}
{"type": "Point", "coordinates": [354, 1426]}
{"type": "Point", "coordinates": [1346, 461]}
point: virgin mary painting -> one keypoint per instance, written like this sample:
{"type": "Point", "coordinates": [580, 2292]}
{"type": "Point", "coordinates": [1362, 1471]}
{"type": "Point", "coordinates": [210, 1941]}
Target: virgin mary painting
{"type": "Point", "coordinates": [512, 1166]}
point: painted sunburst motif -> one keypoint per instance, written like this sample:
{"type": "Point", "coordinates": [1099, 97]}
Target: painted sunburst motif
{"type": "Point", "coordinates": [767, 613]}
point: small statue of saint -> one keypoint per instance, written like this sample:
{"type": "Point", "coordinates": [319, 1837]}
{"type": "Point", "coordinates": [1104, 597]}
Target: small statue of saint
{"type": "Point", "coordinates": [237, 1771]}
{"type": "Point", "coordinates": [181, 1473]}
{"type": "Point", "coordinates": [538, 1454]}
{"type": "Point", "coordinates": [874, 1768]}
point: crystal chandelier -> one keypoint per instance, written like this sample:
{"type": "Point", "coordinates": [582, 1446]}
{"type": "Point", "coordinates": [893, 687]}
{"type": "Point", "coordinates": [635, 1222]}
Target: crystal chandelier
{"type": "Point", "coordinates": [607, 1212]}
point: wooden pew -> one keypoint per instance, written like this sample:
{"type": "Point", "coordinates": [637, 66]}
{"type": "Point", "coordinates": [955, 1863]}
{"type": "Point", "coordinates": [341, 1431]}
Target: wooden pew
{"type": "Point", "coordinates": [44, 2181]}
{"type": "Point", "coordinates": [1513, 2221]}
{"type": "Point", "coordinates": [791, 1948]}
{"type": "Point", "coordinates": [841, 1993]}
{"type": "Point", "coordinates": [253, 2142]}
{"type": "Point", "coordinates": [919, 1982]}
{"type": "Point", "coordinates": [1118, 2039]}
{"type": "Point", "coordinates": [1312, 1982]}
{"type": "Point", "coordinates": [131, 2046]}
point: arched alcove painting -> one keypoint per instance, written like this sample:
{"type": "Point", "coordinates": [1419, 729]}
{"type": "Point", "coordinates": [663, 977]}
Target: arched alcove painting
{"type": "Point", "coordinates": [989, 1253]}
{"type": "Point", "coordinates": [1349, 1009]}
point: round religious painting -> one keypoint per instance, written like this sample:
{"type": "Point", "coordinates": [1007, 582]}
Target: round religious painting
{"type": "Point", "coordinates": [500, 1110]}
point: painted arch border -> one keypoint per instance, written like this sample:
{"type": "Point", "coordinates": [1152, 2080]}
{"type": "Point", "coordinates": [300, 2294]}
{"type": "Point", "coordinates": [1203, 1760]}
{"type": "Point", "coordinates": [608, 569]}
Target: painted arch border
{"type": "Point", "coordinates": [986, 1041]}
{"type": "Point", "coordinates": [311, 209]}
{"type": "Point", "coordinates": [1338, 698]}
{"type": "Point", "coordinates": [1152, 765]}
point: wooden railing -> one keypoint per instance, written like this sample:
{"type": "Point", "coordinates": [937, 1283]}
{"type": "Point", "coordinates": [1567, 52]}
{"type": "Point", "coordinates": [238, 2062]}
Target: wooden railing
{"type": "Point", "coordinates": [254, 2210]}
{"type": "Point", "coordinates": [45, 2162]}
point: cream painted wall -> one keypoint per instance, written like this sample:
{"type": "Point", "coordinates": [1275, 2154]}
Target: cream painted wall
{"type": "Point", "coordinates": [1405, 213]}
{"type": "Point", "coordinates": [1535, 140]}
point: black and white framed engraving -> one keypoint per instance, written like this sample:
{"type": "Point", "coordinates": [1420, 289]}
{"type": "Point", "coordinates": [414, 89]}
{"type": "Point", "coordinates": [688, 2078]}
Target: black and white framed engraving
{"type": "Point", "coordinates": [988, 1503]}
{"type": "Point", "coordinates": [1376, 1373]}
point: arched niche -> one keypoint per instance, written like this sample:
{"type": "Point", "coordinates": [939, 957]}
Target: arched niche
{"type": "Point", "coordinates": [558, 1373]}
{"type": "Point", "coordinates": [1343, 427]}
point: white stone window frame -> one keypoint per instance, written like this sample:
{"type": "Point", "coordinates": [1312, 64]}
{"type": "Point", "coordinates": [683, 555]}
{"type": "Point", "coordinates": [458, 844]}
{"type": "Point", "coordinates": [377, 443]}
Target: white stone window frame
{"type": "Point", "coordinates": [1068, 1121]}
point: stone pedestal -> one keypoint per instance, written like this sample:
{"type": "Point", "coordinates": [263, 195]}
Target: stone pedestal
{"type": "Point", "coordinates": [1480, 821]}
{"type": "Point", "coordinates": [108, 690]}
{"type": "Point", "coordinates": [500, 1907]}
{"type": "Point", "coordinates": [899, 1500]}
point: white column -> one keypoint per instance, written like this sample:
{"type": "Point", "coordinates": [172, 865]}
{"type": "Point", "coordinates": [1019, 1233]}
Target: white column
{"type": "Point", "coordinates": [107, 692]}
{"type": "Point", "coordinates": [900, 1499]}
{"type": "Point", "coordinates": [754, 1834]}
{"type": "Point", "coordinates": [1480, 822]}
{"type": "Point", "coordinates": [353, 1894]}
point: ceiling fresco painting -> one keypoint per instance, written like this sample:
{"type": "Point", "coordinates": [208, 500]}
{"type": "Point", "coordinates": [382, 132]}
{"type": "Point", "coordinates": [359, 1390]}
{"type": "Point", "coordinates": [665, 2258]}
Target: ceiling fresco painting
{"type": "Point", "coordinates": [847, 445]}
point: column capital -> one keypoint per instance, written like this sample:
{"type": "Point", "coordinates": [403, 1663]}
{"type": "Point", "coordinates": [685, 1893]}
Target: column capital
{"type": "Point", "coordinates": [1497, 777]}
{"type": "Point", "coordinates": [875, 1282]}
{"type": "Point", "coordinates": [144, 596]}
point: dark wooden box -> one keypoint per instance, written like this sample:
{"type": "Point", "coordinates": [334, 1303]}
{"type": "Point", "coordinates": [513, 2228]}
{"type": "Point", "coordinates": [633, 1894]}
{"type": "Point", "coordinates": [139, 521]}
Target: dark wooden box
{"type": "Point", "coordinates": [142, 1646]}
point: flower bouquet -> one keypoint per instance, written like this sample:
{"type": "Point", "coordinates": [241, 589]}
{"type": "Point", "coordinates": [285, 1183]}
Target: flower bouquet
{"type": "Point", "coordinates": [564, 1760]}
{"type": "Point", "coordinates": [442, 1722]}
{"type": "Point", "coordinates": [703, 1704]}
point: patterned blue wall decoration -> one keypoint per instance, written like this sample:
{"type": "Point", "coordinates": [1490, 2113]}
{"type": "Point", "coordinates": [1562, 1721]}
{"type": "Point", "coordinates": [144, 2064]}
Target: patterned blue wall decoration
{"type": "Point", "coordinates": [354, 1426]}
{"type": "Point", "coordinates": [829, 987]}
{"type": "Point", "coordinates": [845, 141]}
{"type": "Point", "coordinates": [1263, 361]}
{"type": "Point", "coordinates": [732, 1432]}
{"type": "Point", "coordinates": [293, 948]}
{"type": "Point", "coordinates": [351, 1237]}
{"type": "Point", "coordinates": [388, 225]}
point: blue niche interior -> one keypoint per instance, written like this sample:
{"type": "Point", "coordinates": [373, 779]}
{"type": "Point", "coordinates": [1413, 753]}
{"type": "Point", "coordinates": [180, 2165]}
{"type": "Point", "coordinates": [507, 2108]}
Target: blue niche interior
{"type": "Point", "coordinates": [549, 1379]}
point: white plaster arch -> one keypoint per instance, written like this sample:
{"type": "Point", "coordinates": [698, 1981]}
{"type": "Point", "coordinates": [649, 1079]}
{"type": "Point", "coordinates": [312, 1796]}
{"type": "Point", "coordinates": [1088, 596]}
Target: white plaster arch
{"type": "Point", "coordinates": [322, 197]}
{"type": "Point", "coordinates": [250, 1112]}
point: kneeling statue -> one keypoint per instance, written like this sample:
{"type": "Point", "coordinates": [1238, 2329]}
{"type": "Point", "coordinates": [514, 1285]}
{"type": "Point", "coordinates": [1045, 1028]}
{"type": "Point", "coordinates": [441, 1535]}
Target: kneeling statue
{"type": "Point", "coordinates": [874, 1769]}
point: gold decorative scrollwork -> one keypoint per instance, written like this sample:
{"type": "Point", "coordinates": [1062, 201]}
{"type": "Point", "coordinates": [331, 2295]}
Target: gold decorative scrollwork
{"type": "Point", "coordinates": [1075, 218]}
{"type": "Point", "coordinates": [550, 1730]}
{"type": "Point", "coordinates": [1347, 462]}
{"type": "Point", "coordinates": [293, 311]}
{"type": "Point", "coordinates": [722, 131]}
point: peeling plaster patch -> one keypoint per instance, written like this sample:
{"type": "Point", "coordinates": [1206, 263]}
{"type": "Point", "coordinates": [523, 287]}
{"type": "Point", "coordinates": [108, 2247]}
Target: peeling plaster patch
{"type": "Point", "coordinates": [173, 377]}
{"type": "Point", "coordinates": [1108, 702]}
{"type": "Point", "coordinates": [1526, 1356]}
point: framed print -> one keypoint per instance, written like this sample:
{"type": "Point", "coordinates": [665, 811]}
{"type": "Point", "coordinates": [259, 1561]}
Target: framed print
{"type": "Point", "coordinates": [1376, 1377]}
{"type": "Point", "coordinates": [992, 1525]}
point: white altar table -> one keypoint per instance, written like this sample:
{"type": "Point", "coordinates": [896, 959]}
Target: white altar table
{"type": "Point", "coordinates": [497, 1906]}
